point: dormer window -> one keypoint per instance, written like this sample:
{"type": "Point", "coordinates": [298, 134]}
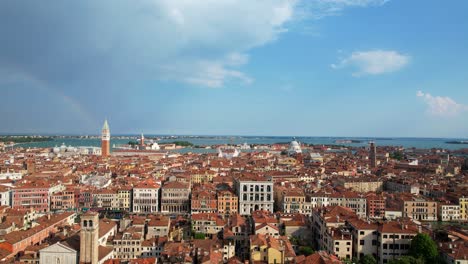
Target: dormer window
{"type": "Point", "coordinates": [85, 223]}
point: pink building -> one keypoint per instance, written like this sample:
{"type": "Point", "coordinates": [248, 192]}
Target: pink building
{"type": "Point", "coordinates": [63, 201]}
{"type": "Point", "coordinates": [30, 196]}
{"type": "Point", "coordinates": [375, 205]}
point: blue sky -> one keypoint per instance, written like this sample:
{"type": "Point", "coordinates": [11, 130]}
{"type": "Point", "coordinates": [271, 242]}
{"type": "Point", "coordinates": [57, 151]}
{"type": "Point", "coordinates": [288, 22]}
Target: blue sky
{"type": "Point", "coordinates": [278, 67]}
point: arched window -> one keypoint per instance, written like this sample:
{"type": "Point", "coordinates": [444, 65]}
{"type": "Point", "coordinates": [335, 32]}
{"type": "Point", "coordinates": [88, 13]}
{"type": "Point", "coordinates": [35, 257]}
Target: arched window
{"type": "Point", "coordinates": [256, 188]}
{"type": "Point", "coordinates": [85, 223]}
{"type": "Point", "coordinates": [245, 188]}
{"type": "Point", "coordinates": [268, 188]}
{"type": "Point", "coordinates": [90, 223]}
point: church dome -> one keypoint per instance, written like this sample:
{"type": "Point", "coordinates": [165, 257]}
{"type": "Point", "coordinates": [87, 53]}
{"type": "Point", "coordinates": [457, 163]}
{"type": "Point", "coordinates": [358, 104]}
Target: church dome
{"type": "Point", "coordinates": [294, 147]}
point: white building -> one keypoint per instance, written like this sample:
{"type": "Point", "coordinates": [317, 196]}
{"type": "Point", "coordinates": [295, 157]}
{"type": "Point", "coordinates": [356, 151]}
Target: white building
{"type": "Point", "coordinates": [449, 212]}
{"type": "Point", "coordinates": [155, 146]}
{"type": "Point", "coordinates": [294, 148]}
{"type": "Point", "coordinates": [145, 197]}
{"type": "Point", "coordinates": [228, 153]}
{"type": "Point", "coordinates": [5, 196]}
{"type": "Point", "coordinates": [58, 253]}
{"type": "Point", "coordinates": [245, 146]}
{"type": "Point", "coordinates": [11, 176]}
{"type": "Point", "coordinates": [96, 151]}
{"type": "Point", "coordinates": [255, 194]}
{"type": "Point", "coordinates": [97, 181]}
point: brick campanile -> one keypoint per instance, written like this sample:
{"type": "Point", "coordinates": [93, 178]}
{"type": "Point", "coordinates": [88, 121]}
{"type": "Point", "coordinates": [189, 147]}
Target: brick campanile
{"type": "Point", "coordinates": [89, 238]}
{"type": "Point", "coordinates": [105, 140]}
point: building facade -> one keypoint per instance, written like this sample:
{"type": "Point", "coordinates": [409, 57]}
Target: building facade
{"type": "Point", "coordinates": [255, 194]}
{"type": "Point", "coordinates": [420, 209]}
{"type": "Point", "coordinates": [227, 202]}
{"type": "Point", "coordinates": [175, 198]}
{"type": "Point", "coordinates": [31, 196]}
{"type": "Point", "coordinates": [449, 212]}
{"type": "Point", "coordinates": [463, 203]}
{"type": "Point", "coordinates": [146, 197]}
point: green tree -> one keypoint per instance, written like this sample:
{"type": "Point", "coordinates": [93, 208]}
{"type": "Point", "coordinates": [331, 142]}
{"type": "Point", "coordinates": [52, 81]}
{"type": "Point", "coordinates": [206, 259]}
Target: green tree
{"type": "Point", "coordinates": [423, 247]}
{"type": "Point", "coordinates": [199, 236]}
{"type": "Point", "coordinates": [304, 250]}
{"type": "Point", "coordinates": [396, 155]}
{"type": "Point", "coordinates": [181, 143]}
{"type": "Point", "coordinates": [368, 259]}
{"type": "Point", "coordinates": [407, 260]}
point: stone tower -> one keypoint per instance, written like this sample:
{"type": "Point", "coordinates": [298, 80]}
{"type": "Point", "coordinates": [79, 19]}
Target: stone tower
{"type": "Point", "coordinates": [89, 238]}
{"type": "Point", "coordinates": [372, 154]}
{"type": "Point", "coordinates": [105, 140]}
{"type": "Point", "coordinates": [142, 140]}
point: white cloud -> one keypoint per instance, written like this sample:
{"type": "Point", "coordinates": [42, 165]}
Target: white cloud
{"type": "Point", "coordinates": [140, 40]}
{"type": "Point", "coordinates": [373, 62]}
{"type": "Point", "coordinates": [215, 74]}
{"type": "Point", "coordinates": [318, 9]}
{"type": "Point", "coordinates": [441, 106]}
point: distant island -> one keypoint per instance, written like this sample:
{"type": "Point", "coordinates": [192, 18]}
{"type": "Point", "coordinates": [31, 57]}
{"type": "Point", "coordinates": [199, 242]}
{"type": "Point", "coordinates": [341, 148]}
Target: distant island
{"type": "Point", "coordinates": [348, 141]}
{"type": "Point", "coordinates": [179, 143]}
{"type": "Point", "coordinates": [24, 139]}
{"type": "Point", "coordinates": [457, 142]}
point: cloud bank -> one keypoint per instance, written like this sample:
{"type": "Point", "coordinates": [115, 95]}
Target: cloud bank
{"type": "Point", "coordinates": [441, 106]}
{"type": "Point", "coordinates": [202, 42]}
{"type": "Point", "coordinates": [373, 62]}
{"type": "Point", "coordinates": [197, 42]}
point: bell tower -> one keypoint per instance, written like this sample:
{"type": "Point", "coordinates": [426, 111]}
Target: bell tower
{"type": "Point", "coordinates": [89, 238]}
{"type": "Point", "coordinates": [105, 140]}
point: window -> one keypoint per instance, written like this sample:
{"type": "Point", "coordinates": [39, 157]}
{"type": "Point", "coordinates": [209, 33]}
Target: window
{"type": "Point", "coordinates": [361, 242]}
{"type": "Point", "coordinates": [361, 233]}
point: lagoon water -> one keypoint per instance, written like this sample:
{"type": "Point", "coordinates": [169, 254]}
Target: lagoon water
{"type": "Point", "coordinates": [218, 140]}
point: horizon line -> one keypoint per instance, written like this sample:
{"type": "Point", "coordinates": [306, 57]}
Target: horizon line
{"type": "Point", "coordinates": [226, 135]}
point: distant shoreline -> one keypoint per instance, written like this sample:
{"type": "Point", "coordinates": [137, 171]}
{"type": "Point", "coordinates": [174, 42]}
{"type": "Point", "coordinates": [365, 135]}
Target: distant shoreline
{"type": "Point", "coordinates": [461, 142]}
{"type": "Point", "coordinates": [24, 139]}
